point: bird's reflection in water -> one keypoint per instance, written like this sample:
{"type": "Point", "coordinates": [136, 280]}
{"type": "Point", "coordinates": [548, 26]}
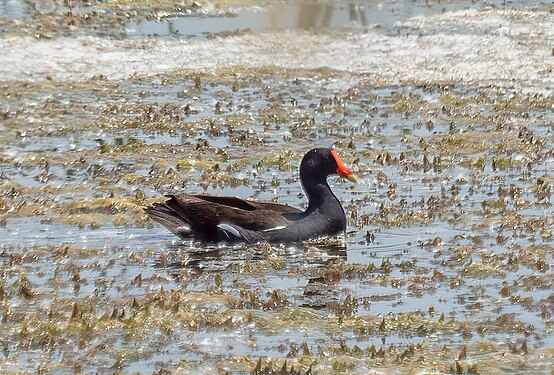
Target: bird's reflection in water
{"type": "Point", "coordinates": [195, 258]}
{"type": "Point", "coordinates": [189, 257]}
{"type": "Point", "coordinates": [309, 270]}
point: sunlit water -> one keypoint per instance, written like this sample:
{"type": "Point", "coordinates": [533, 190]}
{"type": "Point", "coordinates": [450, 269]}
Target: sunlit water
{"type": "Point", "coordinates": [316, 111]}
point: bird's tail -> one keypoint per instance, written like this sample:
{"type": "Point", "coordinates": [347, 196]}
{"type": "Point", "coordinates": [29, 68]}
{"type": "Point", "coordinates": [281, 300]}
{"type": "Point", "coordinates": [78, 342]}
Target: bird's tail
{"type": "Point", "coordinates": [163, 214]}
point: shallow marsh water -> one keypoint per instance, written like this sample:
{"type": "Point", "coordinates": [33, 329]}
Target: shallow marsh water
{"type": "Point", "coordinates": [444, 110]}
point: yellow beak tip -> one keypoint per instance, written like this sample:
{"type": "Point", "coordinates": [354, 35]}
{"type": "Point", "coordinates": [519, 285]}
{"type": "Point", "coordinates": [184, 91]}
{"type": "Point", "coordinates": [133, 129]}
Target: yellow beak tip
{"type": "Point", "coordinates": [353, 178]}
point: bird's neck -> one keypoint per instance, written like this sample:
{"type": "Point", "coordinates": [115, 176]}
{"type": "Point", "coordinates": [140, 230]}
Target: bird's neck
{"type": "Point", "coordinates": [318, 193]}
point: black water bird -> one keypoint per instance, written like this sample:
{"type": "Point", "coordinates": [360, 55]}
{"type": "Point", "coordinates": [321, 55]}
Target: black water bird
{"type": "Point", "coordinates": [215, 218]}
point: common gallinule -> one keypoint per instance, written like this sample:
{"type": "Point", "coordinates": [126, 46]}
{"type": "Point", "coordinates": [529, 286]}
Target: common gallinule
{"type": "Point", "coordinates": [218, 218]}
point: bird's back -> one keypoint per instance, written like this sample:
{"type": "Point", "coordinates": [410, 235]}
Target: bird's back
{"type": "Point", "coordinates": [200, 216]}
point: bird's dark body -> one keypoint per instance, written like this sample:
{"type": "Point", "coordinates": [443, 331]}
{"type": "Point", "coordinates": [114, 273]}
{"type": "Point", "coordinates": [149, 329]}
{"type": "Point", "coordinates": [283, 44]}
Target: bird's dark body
{"type": "Point", "coordinates": [221, 218]}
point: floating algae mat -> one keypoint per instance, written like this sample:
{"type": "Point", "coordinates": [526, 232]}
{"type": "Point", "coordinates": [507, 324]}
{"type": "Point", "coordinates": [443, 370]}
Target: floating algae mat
{"type": "Point", "coordinates": [444, 111]}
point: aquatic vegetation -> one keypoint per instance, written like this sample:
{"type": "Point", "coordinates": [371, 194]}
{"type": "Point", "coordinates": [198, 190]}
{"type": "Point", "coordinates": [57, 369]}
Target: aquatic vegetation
{"type": "Point", "coordinates": [446, 266]}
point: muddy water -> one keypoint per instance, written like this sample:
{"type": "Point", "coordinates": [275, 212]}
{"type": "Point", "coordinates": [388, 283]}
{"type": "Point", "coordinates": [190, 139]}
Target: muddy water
{"type": "Point", "coordinates": [443, 110]}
